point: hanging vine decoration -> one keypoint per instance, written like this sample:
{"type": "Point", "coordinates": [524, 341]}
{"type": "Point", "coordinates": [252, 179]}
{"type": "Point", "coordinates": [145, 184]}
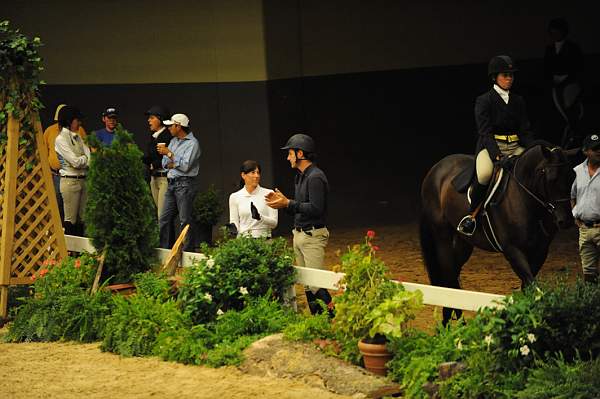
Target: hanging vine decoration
{"type": "Point", "coordinates": [20, 69]}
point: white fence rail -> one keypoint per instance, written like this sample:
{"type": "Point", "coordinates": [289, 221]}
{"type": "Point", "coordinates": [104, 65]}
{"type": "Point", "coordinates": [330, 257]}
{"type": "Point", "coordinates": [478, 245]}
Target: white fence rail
{"type": "Point", "coordinates": [432, 295]}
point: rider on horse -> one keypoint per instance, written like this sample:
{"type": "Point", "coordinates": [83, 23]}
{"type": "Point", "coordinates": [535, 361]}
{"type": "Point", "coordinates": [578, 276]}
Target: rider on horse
{"type": "Point", "coordinates": [503, 129]}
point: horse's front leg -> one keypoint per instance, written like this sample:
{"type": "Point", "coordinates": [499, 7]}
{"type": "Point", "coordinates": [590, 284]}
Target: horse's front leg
{"type": "Point", "coordinates": [520, 265]}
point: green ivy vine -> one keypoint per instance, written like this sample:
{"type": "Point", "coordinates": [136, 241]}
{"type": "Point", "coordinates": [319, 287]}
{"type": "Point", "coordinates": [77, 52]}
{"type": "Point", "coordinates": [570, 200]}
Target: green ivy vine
{"type": "Point", "coordinates": [20, 70]}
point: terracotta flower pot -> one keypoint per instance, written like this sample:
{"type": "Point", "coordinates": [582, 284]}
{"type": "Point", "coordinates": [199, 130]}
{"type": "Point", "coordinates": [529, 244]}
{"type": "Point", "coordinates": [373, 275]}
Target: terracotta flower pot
{"type": "Point", "coordinates": [375, 357]}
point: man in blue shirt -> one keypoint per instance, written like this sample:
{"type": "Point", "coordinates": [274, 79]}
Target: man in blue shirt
{"type": "Point", "coordinates": [585, 200]}
{"type": "Point", "coordinates": [181, 159]}
{"type": "Point", "coordinates": [109, 118]}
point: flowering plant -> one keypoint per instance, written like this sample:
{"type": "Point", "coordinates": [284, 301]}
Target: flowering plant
{"type": "Point", "coordinates": [372, 306]}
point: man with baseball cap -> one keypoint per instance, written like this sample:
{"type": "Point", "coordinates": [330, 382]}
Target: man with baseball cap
{"type": "Point", "coordinates": [152, 159]}
{"type": "Point", "coordinates": [109, 118]}
{"type": "Point", "coordinates": [181, 159]}
{"type": "Point", "coordinates": [585, 200]}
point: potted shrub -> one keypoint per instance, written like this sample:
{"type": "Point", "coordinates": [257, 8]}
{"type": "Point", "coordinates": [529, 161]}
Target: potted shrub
{"type": "Point", "coordinates": [372, 306]}
{"type": "Point", "coordinates": [208, 208]}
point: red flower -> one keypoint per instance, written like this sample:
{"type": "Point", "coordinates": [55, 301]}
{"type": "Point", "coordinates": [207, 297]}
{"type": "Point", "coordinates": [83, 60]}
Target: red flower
{"type": "Point", "coordinates": [374, 248]}
{"type": "Point", "coordinates": [33, 277]}
{"type": "Point", "coordinates": [43, 272]}
{"type": "Point", "coordinates": [53, 261]}
{"type": "Point", "coordinates": [77, 263]}
{"type": "Point", "coordinates": [371, 234]}
{"type": "Point", "coordinates": [45, 262]}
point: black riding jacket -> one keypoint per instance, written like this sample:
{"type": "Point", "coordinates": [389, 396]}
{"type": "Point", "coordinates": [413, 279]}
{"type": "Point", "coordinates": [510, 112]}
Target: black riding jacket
{"type": "Point", "coordinates": [493, 116]}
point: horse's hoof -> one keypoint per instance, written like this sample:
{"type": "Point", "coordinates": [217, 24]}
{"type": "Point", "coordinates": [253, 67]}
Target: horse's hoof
{"type": "Point", "coordinates": [467, 226]}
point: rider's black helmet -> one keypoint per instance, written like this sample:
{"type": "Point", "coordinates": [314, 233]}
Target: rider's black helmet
{"type": "Point", "coordinates": [66, 115]}
{"type": "Point", "coordinates": [300, 142]}
{"type": "Point", "coordinates": [160, 111]}
{"type": "Point", "coordinates": [501, 64]}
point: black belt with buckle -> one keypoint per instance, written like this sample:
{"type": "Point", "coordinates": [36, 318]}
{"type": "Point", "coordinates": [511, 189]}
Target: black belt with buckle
{"type": "Point", "coordinates": [176, 179]}
{"type": "Point", "coordinates": [159, 174]}
{"type": "Point", "coordinates": [309, 228]}
{"type": "Point", "coordinates": [74, 177]}
{"type": "Point", "coordinates": [590, 223]}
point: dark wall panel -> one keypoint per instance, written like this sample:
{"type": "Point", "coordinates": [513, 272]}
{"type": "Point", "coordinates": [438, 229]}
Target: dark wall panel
{"type": "Point", "coordinates": [378, 133]}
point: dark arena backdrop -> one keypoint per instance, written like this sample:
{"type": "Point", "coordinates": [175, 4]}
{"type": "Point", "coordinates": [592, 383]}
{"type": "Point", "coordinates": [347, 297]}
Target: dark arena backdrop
{"type": "Point", "coordinates": [385, 87]}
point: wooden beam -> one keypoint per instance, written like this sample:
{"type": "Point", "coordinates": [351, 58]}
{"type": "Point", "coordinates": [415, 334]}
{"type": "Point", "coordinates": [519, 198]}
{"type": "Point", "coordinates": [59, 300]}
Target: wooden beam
{"type": "Point", "coordinates": [8, 211]}
{"type": "Point", "coordinates": [432, 295]}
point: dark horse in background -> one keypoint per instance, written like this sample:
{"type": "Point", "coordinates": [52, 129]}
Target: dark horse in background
{"type": "Point", "coordinates": [525, 216]}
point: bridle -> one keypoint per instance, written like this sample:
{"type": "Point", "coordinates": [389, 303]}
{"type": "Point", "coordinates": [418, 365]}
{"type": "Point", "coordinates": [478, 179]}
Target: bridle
{"type": "Point", "coordinates": [547, 205]}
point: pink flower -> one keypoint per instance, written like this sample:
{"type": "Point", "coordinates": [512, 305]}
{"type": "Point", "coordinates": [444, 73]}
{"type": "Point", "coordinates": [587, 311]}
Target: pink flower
{"type": "Point", "coordinates": [77, 263]}
{"type": "Point", "coordinates": [374, 248]}
{"type": "Point", "coordinates": [371, 234]}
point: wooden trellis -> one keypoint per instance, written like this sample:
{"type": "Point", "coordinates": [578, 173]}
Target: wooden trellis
{"type": "Point", "coordinates": [31, 229]}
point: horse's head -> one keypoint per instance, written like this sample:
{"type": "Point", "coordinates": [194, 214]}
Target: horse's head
{"type": "Point", "coordinates": [557, 176]}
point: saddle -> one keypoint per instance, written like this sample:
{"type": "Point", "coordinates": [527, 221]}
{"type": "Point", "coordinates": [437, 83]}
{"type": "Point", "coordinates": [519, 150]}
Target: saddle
{"type": "Point", "coordinates": [494, 195]}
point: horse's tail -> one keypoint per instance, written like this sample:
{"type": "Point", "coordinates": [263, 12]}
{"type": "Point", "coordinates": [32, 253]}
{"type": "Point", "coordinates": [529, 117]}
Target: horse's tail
{"type": "Point", "coordinates": [429, 251]}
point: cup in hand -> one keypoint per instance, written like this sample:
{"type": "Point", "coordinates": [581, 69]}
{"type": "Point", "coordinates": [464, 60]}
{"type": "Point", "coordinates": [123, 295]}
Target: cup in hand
{"type": "Point", "coordinates": [160, 146]}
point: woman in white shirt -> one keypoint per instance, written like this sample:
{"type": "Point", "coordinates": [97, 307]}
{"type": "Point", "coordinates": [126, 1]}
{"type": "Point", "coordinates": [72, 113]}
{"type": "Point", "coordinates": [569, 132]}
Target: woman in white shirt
{"type": "Point", "coordinates": [247, 207]}
{"type": "Point", "coordinates": [74, 157]}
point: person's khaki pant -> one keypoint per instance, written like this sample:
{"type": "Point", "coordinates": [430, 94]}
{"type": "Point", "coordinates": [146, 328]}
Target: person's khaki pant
{"type": "Point", "coordinates": [309, 248]}
{"type": "Point", "coordinates": [589, 249]}
{"type": "Point", "coordinates": [484, 165]}
{"type": "Point", "coordinates": [74, 196]}
{"type": "Point", "coordinates": [158, 186]}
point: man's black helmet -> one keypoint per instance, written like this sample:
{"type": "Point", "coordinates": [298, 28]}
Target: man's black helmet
{"type": "Point", "coordinates": [66, 115]}
{"type": "Point", "coordinates": [300, 142]}
{"type": "Point", "coordinates": [501, 64]}
{"type": "Point", "coordinates": [160, 111]}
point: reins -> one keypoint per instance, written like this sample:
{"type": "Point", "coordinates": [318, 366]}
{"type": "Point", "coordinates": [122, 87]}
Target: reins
{"type": "Point", "coordinates": [547, 205]}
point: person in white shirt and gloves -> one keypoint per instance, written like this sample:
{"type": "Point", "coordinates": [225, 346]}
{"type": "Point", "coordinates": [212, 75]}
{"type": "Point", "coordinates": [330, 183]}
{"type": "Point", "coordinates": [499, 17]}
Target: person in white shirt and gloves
{"type": "Point", "coordinates": [74, 157]}
{"type": "Point", "coordinates": [247, 208]}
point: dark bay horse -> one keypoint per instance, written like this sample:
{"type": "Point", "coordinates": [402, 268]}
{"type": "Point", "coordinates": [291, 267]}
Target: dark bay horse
{"type": "Point", "coordinates": [527, 215]}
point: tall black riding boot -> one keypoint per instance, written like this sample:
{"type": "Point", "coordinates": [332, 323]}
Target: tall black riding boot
{"type": "Point", "coordinates": [311, 299]}
{"type": "Point", "coordinates": [467, 224]}
{"type": "Point", "coordinates": [324, 295]}
{"type": "Point", "coordinates": [69, 228]}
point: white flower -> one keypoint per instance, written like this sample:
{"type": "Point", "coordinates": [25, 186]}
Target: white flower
{"type": "Point", "coordinates": [220, 312]}
{"type": "Point", "coordinates": [524, 350]}
{"type": "Point", "coordinates": [210, 263]}
{"type": "Point", "coordinates": [531, 338]}
{"type": "Point", "coordinates": [510, 300]}
{"type": "Point", "coordinates": [488, 340]}
{"type": "Point", "coordinates": [459, 345]}
{"type": "Point", "coordinates": [243, 291]}
{"type": "Point", "coordinates": [208, 297]}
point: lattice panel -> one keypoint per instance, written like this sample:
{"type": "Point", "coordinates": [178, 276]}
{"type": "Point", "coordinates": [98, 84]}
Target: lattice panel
{"type": "Point", "coordinates": [37, 233]}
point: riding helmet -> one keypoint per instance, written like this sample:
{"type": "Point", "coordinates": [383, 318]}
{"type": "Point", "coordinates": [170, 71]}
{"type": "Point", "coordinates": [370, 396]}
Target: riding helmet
{"type": "Point", "coordinates": [300, 142]}
{"type": "Point", "coordinates": [66, 115]}
{"type": "Point", "coordinates": [160, 111]}
{"type": "Point", "coordinates": [501, 64]}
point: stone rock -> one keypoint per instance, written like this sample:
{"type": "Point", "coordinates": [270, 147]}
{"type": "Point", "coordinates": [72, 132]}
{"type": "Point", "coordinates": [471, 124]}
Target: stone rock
{"type": "Point", "coordinates": [274, 356]}
{"type": "Point", "coordinates": [448, 369]}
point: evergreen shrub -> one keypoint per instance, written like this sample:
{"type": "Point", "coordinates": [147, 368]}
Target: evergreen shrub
{"type": "Point", "coordinates": [120, 216]}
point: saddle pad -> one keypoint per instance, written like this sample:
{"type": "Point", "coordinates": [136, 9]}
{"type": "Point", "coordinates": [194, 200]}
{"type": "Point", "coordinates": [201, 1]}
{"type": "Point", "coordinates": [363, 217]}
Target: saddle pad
{"type": "Point", "coordinates": [463, 180]}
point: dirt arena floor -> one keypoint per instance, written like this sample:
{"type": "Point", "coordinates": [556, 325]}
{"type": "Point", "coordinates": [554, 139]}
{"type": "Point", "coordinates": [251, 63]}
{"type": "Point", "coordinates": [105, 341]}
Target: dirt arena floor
{"type": "Point", "coordinates": [66, 370]}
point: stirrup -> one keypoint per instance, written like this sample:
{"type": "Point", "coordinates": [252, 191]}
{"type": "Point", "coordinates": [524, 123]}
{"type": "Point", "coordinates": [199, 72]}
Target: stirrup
{"type": "Point", "coordinates": [467, 225]}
